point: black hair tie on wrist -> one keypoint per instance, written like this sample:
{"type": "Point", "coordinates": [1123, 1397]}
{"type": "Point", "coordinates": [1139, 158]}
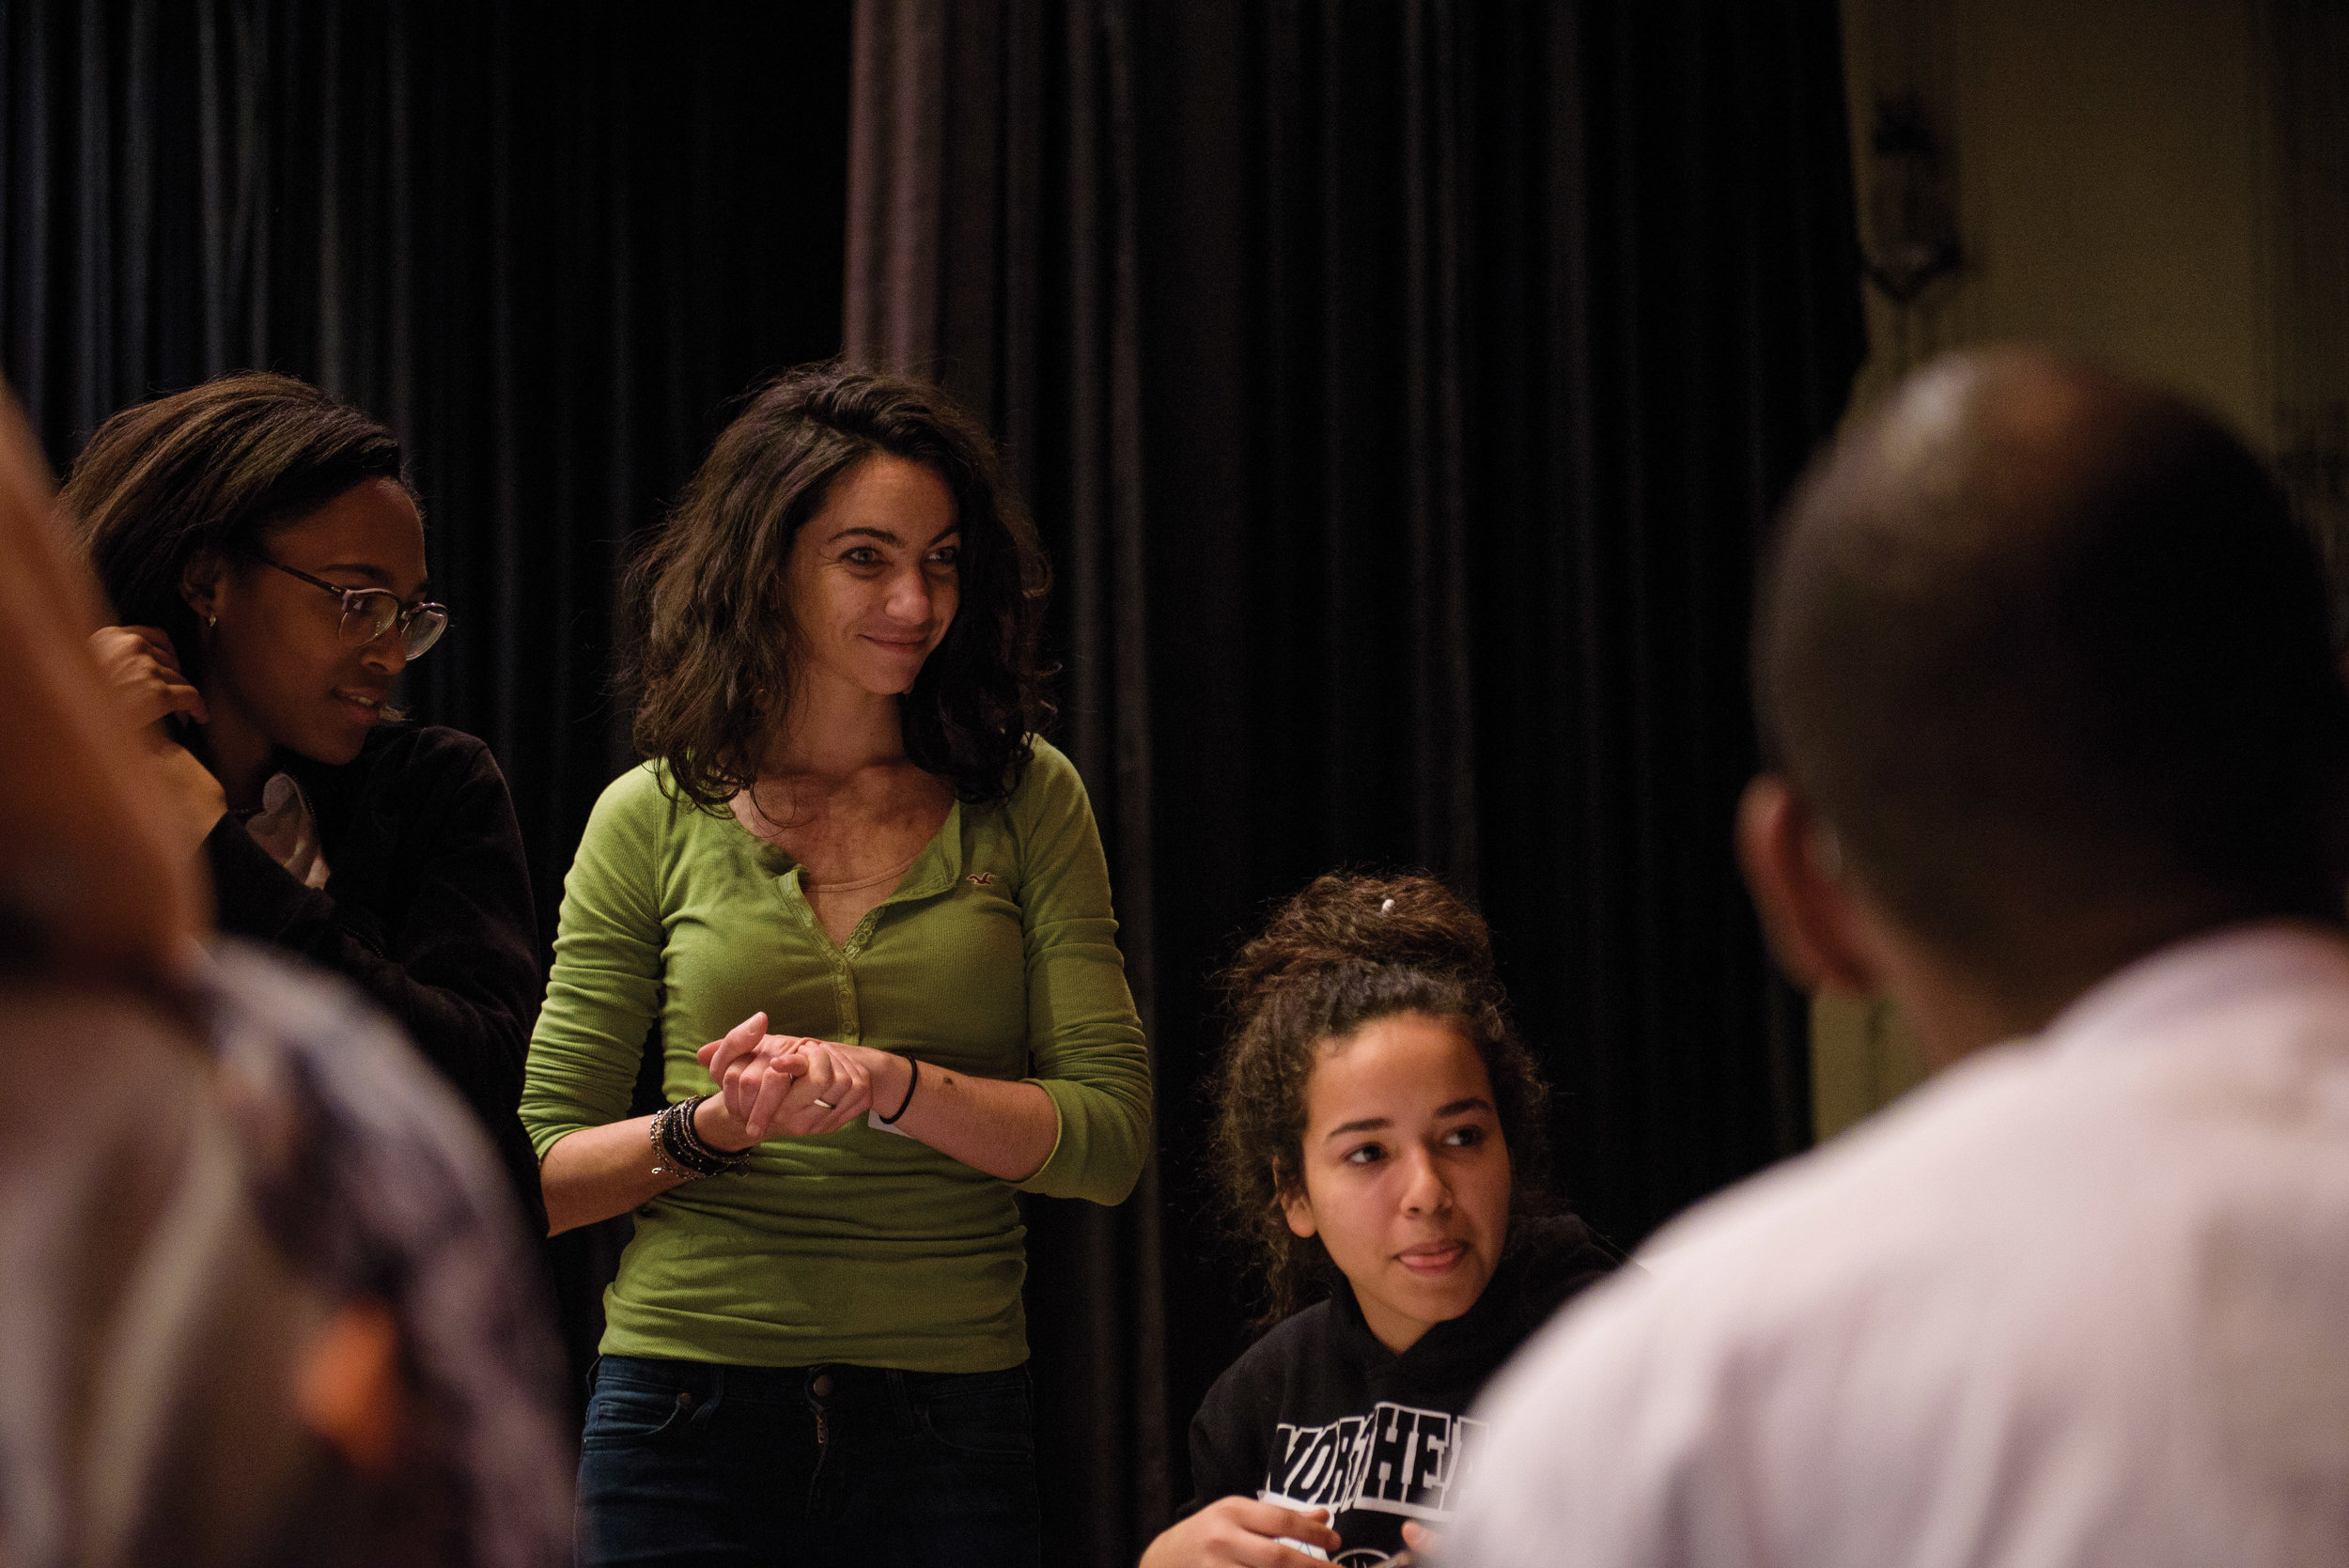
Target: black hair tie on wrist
{"type": "Point", "coordinates": [912, 1084]}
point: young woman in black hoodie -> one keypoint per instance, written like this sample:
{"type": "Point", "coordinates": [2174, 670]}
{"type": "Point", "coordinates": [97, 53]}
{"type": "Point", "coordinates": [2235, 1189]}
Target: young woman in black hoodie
{"type": "Point", "coordinates": [1379, 1138]}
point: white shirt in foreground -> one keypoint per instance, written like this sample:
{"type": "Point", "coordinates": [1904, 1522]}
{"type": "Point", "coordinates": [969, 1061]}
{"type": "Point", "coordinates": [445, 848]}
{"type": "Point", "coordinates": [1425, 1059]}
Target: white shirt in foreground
{"type": "Point", "coordinates": [2080, 1300]}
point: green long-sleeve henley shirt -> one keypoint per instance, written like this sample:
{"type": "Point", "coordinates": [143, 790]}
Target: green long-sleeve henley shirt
{"type": "Point", "coordinates": [995, 956]}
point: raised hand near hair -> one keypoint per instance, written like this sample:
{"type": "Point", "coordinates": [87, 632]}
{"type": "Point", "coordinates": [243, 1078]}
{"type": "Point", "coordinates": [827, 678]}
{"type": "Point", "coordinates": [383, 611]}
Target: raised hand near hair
{"type": "Point", "coordinates": [1241, 1532]}
{"type": "Point", "coordinates": [143, 670]}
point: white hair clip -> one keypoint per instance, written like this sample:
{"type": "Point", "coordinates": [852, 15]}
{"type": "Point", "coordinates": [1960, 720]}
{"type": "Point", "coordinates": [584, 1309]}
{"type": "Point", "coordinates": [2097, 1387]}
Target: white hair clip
{"type": "Point", "coordinates": [1388, 908]}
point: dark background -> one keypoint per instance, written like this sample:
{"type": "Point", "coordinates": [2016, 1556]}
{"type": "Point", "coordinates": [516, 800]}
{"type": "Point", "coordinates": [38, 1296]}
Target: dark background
{"type": "Point", "coordinates": [1401, 389]}
{"type": "Point", "coordinates": [547, 247]}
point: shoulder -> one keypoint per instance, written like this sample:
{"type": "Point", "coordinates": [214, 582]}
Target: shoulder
{"type": "Point", "coordinates": [1953, 1165]}
{"type": "Point", "coordinates": [1895, 1209]}
{"type": "Point", "coordinates": [1646, 1380]}
{"type": "Point", "coordinates": [1255, 1389]}
{"type": "Point", "coordinates": [1551, 1258]}
{"type": "Point", "coordinates": [1048, 782]}
{"type": "Point", "coordinates": [1048, 798]}
{"type": "Point", "coordinates": [2015, 1261]}
{"type": "Point", "coordinates": [1936, 1234]}
{"type": "Point", "coordinates": [1300, 1339]}
{"type": "Point", "coordinates": [401, 766]}
{"type": "Point", "coordinates": [1294, 1360]}
{"type": "Point", "coordinates": [644, 788]}
{"type": "Point", "coordinates": [639, 808]}
{"type": "Point", "coordinates": [432, 749]}
{"type": "Point", "coordinates": [408, 780]}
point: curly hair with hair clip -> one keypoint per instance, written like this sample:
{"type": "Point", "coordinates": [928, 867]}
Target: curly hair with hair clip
{"type": "Point", "coordinates": [1346, 951]}
{"type": "Point", "coordinates": [715, 666]}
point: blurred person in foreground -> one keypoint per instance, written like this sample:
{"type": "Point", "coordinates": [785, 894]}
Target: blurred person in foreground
{"type": "Point", "coordinates": [2055, 753]}
{"type": "Point", "coordinates": [255, 1266]}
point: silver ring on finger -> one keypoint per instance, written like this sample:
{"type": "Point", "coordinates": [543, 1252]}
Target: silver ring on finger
{"type": "Point", "coordinates": [826, 1104]}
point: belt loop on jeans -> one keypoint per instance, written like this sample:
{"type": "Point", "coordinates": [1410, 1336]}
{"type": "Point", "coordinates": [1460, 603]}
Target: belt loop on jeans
{"type": "Point", "coordinates": [902, 1398]}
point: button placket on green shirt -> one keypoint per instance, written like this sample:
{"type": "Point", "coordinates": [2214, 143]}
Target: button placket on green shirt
{"type": "Point", "coordinates": [853, 1246]}
{"type": "Point", "coordinates": [933, 872]}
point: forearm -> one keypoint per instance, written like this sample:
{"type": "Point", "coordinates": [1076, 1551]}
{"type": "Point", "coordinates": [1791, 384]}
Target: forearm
{"type": "Point", "coordinates": [809, 1088]}
{"type": "Point", "coordinates": [597, 1172]}
{"type": "Point", "coordinates": [1006, 1130]}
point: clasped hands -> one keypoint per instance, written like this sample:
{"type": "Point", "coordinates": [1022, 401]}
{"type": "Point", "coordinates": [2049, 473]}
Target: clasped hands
{"type": "Point", "coordinates": [785, 1083]}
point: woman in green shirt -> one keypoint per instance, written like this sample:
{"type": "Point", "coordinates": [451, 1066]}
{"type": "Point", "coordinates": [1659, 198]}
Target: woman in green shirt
{"type": "Point", "coordinates": [851, 882]}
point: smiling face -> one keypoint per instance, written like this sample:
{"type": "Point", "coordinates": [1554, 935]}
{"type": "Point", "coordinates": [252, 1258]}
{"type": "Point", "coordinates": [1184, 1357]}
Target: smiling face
{"type": "Point", "coordinates": [1405, 1174]}
{"type": "Point", "coordinates": [872, 578]}
{"type": "Point", "coordinates": [278, 672]}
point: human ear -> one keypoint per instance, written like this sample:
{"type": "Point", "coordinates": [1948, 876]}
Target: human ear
{"type": "Point", "coordinates": [1298, 1209]}
{"type": "Point", "coordinates": [1810, 915]}
{"type": "Point", "coordinates": [199, 583]}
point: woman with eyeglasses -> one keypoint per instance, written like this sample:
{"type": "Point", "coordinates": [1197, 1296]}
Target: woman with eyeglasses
{"type": "Point", "coordinates": [258, 541]}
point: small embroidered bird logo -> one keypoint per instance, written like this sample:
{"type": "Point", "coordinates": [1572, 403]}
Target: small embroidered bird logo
{"type": "Point", "coordinates": [981, 879]}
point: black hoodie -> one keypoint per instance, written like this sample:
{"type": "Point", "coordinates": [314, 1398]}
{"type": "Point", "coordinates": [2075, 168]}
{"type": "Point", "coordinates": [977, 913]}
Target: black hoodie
{"type": "Point", "coordinates": [1319, 1414]}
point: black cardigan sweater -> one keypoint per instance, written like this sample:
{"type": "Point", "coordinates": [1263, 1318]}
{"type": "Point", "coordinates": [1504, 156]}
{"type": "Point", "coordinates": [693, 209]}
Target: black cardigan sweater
{"type": "Point", "coordinates": [1319, 1414]}
{"type": "Point", "coordinates": [427, 909]}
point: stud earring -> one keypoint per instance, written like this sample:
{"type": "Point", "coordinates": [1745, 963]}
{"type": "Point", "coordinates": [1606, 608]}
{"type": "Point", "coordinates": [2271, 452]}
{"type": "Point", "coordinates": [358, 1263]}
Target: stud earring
{"type": "Point", "coordinates": [211, 622]}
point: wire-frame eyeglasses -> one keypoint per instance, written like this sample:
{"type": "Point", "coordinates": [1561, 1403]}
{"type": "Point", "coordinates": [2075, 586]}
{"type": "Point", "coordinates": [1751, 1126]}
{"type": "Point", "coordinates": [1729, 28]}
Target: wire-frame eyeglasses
{"type": "Point", "coordinates": [369, 613]}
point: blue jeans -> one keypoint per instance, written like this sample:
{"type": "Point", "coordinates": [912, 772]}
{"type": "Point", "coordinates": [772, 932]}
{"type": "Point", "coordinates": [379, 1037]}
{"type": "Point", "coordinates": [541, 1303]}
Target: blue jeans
{"type": "Point", "coordinates": [688, 1462]}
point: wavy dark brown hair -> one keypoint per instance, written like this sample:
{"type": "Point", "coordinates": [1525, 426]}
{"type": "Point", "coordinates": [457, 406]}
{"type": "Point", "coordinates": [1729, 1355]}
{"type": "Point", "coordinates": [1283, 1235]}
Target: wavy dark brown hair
{"type": "Point", "coordinates": [714, 668]}
{"type": "Point", "coordinates": [1346, 951]}
{"type": "Point", "coordinates": [210, 471]}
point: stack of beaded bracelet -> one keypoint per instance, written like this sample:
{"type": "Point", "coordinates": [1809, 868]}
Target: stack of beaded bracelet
{"type": "Point", "coordinates": [677, 1150]}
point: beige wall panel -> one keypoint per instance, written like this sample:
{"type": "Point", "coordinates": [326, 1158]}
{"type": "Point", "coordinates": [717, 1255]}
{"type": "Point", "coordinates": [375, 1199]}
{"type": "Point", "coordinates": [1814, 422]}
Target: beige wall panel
{"type": "Point", "coordinates": [2108, 182]}
{"type": "Point", "coordinates": [2159, 183]}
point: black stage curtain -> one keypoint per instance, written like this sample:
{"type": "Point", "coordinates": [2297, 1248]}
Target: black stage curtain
{"type": "Point", "coordinates": [546, 244]}
{"type": "Point", "coordinates": [1402, 390]}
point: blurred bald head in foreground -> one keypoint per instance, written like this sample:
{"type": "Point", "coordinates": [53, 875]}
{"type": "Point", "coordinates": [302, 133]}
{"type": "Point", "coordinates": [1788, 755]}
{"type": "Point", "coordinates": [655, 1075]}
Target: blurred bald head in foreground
{"type": "Point", "coordinates": [2043, 673]}
{"type": "Point", "coordinates": [2055, 750]}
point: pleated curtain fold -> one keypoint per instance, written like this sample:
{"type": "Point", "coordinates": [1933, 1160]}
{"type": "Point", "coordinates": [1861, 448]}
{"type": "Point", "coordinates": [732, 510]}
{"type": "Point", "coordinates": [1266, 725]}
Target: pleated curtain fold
{"type": "Point", "coordinates": [1402, 390]}
{"type": "Point", "coordinates": [547, 255]}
